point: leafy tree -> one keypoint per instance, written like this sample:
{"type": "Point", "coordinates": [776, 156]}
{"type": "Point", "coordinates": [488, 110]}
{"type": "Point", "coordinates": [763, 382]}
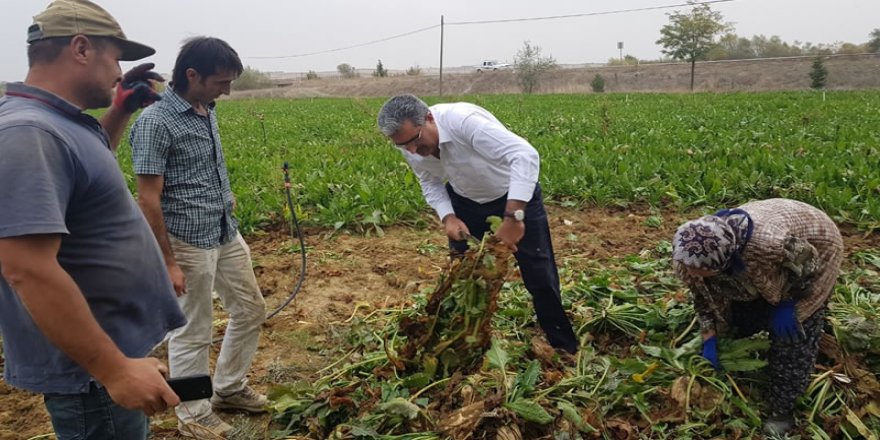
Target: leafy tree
{"type": "Point", "coordinates": [818, 49]}
{"type": "Point", "coordinates": [874, 44]}
{"type": "Point", "coordinates": [732, 47]}
{"type": "Point", "coordinates": [690, 36]}
{"type": "Point", "coordinates": [850, 48]}
{"type": "Point", "coordinates": [774, 47]}
{"type": "Point", "coordinates": [819, 74]}
{"type": "Point", "coordinates": [598, 83]}
{"type": "Point", "coordinates": [530, 65]}
{"type": "Point", "coordinates": [252, 79]}
{"type": "Point", "coordinates": [414, 71]}
{"type": "Point", "coordinates": [380, 71]}
{"type": "Point", "coordinates": [312, 75]}
{"type": "Point", "coordinates": [346, 70]}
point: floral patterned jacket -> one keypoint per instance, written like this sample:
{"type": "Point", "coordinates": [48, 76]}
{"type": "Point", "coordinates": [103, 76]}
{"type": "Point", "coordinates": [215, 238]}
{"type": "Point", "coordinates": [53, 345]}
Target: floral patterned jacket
{"type": "Point", "coordinates": [794, 253]}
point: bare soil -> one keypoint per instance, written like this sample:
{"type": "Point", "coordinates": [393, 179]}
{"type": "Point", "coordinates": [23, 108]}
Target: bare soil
{"type": "Point", "coordinates": [351, 274]}
{"type": "Point", "coordinates": [852, 72]}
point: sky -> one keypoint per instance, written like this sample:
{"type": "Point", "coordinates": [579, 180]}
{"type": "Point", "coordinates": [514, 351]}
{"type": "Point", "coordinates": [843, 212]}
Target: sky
{"type": "Point", "coordinates": [261, 29]}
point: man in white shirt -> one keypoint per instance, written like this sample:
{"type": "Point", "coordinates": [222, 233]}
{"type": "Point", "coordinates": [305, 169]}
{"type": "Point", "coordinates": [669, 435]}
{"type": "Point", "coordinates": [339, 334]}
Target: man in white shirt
{"type": "Point", "coordinates": [471, 167]}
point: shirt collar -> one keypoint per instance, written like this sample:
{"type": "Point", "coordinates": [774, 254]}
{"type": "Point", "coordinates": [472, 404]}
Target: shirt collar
{"type": "Point", "coordinates": [59, 104]}
{"type": "Point", "coordinates": [179, 104]}
{"type": "Point", "coordinates": [443, 136]}
{"type": "Point", "coordinates": [22, 90]}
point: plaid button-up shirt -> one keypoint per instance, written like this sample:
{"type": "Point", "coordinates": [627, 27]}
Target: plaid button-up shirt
{"type": "Point", "coordinates": [170, 139]}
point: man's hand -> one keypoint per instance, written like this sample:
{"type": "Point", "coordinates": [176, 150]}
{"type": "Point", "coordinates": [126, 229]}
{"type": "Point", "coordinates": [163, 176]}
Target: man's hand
{"type": "Point", "coordinates": [511, 232]}
{"type": "Point", "coordinates": [136, 88]}
{"type": "Point", "coordinates": [456, 230]}
{"type": "Point", "coordinates": [140, 384]}
{"type": "Point", "coordinates": [178, 279]}
{"type": "Point", "coordinates": [710, 351]}
{"type": "Point", "coordinates": [785, 325]}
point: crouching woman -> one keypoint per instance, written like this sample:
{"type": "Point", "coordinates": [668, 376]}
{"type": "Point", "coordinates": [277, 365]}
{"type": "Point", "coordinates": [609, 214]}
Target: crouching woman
{"type": "Point", "coordinates": [767, 265]}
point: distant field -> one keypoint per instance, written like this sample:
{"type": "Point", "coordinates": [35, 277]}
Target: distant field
{"type": "Point", "coordinates": [845, 72]}
{"type": "Point", "coordinates": [665, 150]}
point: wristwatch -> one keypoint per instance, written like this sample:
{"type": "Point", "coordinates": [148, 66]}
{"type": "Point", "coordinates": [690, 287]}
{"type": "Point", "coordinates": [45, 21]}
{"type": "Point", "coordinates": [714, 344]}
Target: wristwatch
{"type": "Point", "coordinates": [518, 215]}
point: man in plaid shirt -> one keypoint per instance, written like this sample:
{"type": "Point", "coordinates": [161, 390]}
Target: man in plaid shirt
{"type": "Point", "coordinates": [185, 195]}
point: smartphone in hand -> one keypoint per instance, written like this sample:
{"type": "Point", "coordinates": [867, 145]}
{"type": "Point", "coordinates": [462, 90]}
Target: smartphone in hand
{"type": "Point", "coordinates": [191, 387]}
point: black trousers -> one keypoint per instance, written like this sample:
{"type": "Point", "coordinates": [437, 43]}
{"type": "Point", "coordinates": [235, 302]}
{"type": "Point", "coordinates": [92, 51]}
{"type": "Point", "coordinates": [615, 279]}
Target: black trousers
{"type": "Point", "coordinates": [534, 255]}
{"type": "Point", "coordinates": [790, 364]}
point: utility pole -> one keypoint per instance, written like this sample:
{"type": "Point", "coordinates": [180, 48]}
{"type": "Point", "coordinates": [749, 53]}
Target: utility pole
{"type": "Point", "coordinates": [620, 48]}
{"type": "Point", "coordinates": [441, 55]}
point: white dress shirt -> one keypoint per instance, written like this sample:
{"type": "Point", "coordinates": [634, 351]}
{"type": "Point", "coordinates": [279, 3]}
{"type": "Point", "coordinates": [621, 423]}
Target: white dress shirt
{"type": "Point", "coordinates": [480, 158]}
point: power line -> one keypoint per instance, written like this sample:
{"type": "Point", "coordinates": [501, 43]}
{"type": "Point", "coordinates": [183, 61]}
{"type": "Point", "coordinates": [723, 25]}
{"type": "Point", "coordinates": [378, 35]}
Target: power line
{"type": "Point", "coordinates": [352, 46]}
{"type": "Point", "coordinates": [587, 14]}
{"type": "Point", "coordinates": [509, 20]}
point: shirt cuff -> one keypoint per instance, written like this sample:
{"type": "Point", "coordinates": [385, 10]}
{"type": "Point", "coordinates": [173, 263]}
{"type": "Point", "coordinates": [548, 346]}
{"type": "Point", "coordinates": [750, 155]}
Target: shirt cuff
{"type": "Point", "coordinates": [521, 191]}
{"type": "Point", "coordinates": [443, 209]}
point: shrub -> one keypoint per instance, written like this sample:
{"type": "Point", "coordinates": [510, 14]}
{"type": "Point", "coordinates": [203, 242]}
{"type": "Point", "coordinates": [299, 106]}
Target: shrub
{"type": "Point", "coordinates": [530, 66]}
{"type": "Point", "coordinates": [628, 60]}
{"type": "Point", "coordinates": [414, 71]}
{"type": "Point", "coordinates": [598, 83]}
{"type": "Point", "coordinates": [819, 74]}
{"type": "Point", "coordinates": [251, 79]}
{"type": "Point", "coordinates": [380, 71]}
{"type": "Point", "coordinates": [346, 70]}
{"type": "Point", "coordinates": [312, 75]}
{"type": "Point", "coordinates": [874, 44]}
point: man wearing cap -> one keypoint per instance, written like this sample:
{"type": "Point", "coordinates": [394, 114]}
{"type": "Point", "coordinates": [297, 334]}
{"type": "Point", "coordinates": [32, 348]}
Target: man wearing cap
{"type": "Point", "coordinates": [84, 293]}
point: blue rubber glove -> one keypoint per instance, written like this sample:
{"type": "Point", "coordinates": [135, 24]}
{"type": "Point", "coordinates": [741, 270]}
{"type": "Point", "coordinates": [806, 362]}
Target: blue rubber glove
{"type": "Point", "coordinates": [710, 352]}
{"type": "Point", "coordinates": [785, 325]}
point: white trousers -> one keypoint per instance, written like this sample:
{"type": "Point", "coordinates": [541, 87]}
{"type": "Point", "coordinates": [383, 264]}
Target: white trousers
{"type": "Point", "coordinates": [228, 270]}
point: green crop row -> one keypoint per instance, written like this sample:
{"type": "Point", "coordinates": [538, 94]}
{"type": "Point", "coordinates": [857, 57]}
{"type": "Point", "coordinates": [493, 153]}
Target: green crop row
{"type": "Point", "coordinates": [665, 150]}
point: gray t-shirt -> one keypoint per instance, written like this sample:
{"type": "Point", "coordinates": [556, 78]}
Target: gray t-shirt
{"type": "Point", "coordinates": [58, 176]}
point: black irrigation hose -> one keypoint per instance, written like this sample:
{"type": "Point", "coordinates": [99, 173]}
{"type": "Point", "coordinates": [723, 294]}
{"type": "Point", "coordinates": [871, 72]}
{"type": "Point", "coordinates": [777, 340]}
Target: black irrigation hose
{"type": "Point", "coordinates": [294, 231]}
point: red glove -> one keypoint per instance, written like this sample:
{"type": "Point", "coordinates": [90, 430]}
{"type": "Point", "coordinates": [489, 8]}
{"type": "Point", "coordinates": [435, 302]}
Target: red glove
{"type": "Point", "coordinates": [136, 88]}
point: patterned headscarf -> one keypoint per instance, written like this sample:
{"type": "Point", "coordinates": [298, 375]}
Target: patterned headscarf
{"type": "Point", "coordinates": [714, 242]}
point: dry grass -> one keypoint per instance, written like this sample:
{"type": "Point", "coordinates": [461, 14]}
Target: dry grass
{"type": "Point", "coordinates": [844, 73]}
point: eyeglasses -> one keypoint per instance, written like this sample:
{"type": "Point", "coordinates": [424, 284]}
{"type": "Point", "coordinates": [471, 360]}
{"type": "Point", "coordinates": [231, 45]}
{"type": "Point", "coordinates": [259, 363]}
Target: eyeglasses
{"type": "Point", "coordinates": [411, 140]}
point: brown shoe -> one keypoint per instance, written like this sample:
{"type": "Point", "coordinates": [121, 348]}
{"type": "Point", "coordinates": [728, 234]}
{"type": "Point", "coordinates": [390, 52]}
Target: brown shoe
{"type": "Point", "coordinates": [247, 399]}
{"type": "Point", "coordinates": [208, 427]}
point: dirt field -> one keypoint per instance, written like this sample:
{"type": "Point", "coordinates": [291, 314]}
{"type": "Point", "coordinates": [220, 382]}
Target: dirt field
{"type": "Point", "coordinates": [349, 274]}
{"type": "Point", "coordinates": [844, 73]}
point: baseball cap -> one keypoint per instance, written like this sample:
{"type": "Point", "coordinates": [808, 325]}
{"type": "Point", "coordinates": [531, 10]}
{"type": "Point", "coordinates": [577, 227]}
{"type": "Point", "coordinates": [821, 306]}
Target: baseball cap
{"type": "Point", "coordinates": [66, 18]}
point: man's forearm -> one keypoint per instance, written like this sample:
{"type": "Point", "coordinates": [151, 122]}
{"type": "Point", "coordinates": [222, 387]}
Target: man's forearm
{"type": "Point", "coordinates": [59, 309]}
{"type": "Point", "coordinates": [153, 213]}
{"type": "Point", "coordinates": [513, 205]}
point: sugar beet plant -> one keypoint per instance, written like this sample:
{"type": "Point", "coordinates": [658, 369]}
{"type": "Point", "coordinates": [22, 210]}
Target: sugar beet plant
{"type": "Point", "coordinates": [445, 338]}
{"type": "Point", "coordinates": [637, 375]}
{"type": "Point", "coordinates": [454, 331]}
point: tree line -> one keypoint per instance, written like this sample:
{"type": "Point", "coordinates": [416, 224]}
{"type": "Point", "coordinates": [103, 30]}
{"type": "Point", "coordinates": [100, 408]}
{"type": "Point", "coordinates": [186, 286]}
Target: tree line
{"type": "Point", "coordinates": [694, 36]}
